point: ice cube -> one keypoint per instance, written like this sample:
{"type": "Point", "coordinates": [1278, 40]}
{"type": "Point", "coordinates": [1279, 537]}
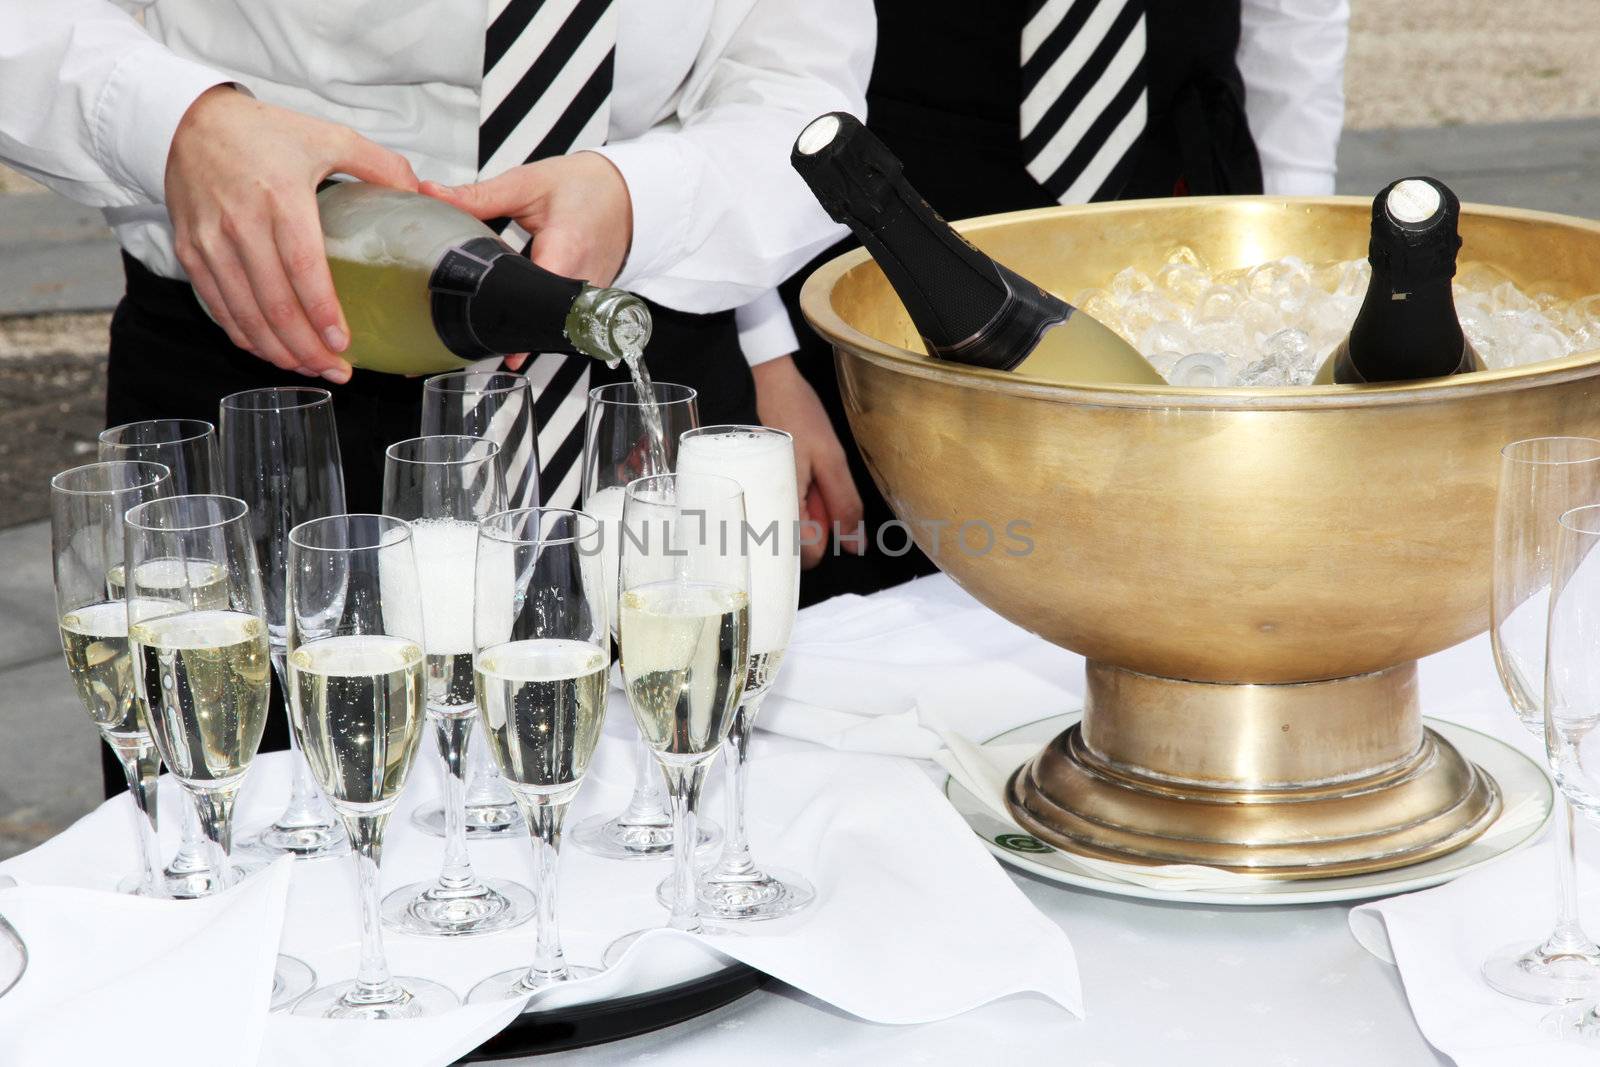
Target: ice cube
{"type": "Point", "coordinates": [1183, 281]}
{"type": "Point", "coordinates": [1165, 337]}
{"type": "Point", "coordinates": [1149, 308]}
{"type": "Point", "coordinates": [1185, 256]}
{"type": "Point", "coordinates": [1266, 371]}
{"type": "Point", "coordinates": [1201, 370]}
{"type": "Point", "coordinates": [1479, 277]}
{"type": "Point", "coordinates": [1130, 280]}
{"type": "Point", "coordinates": [1218, 302]}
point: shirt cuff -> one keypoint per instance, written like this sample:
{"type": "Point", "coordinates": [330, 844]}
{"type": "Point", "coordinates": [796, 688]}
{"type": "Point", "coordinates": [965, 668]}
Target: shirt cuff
{"type": "Point", "coordinates": [1296, 181]}
{"type": "Point", "coordinates": [661, 190]}
{"type": "Point", "coordinates": [139, 109]}
{"type": "Point", "coordinates": [765, 332]}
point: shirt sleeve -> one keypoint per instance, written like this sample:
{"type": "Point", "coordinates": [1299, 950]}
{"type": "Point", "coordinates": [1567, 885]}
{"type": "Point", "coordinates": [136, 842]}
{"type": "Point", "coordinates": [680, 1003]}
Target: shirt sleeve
{"type": "Point", "coordinates": [89, 101]}
{"type": "Point", "coordinates": [719, 216]}
{"type": "Point", "coordinates": [765, 332]}
{"type": "Point", "coordinates": [1291, 53]}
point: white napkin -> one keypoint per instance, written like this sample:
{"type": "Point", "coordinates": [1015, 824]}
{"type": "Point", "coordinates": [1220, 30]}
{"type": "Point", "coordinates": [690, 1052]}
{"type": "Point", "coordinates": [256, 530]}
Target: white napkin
{"type": "Point", "coordinates": [1439, 939]}
{"type": "Point", "coordinates": [119, 979]}
{"type": "Point", "coordinates": [888, 673]}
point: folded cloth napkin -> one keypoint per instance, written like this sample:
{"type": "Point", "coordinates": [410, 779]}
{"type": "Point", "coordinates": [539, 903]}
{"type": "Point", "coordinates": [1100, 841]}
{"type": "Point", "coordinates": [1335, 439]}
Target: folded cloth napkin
{"type": "Point", "coordinates": [984, 770]}
{"type": "Point", "coordinates": [887, 673]}
{"type": "Point", "coordinates": [913, 921]}
{"type": "Point", "coordinates": [1439, 938]}
{"type": "Point", "coordinates": [118, 979]}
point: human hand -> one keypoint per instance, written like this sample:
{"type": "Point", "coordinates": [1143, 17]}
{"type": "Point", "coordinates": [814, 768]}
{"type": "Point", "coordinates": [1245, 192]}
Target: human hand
{"type": "Point", "coordinates": [241, 189]}
{"type": "Point", "coordinates": [576, 208]}
{"type": "Point", "coordinates": [828, 494]}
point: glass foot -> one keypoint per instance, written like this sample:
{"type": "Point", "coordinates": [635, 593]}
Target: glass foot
{"type": "Point", "coordinates": [293, 979]}
{"type": "Point", "coordinates": [204, 882]}
{"type": "Point", "coordinates": [1528, 974]}
{"type": "Point", "coordinates": [522, 982]}
{"type": "Point", "coordinates": [613, 839]}
{"type": "Point", "coordinates": [1576, 1022]}
{"type": "Point", "coordinates": [766, 893]}
{"type": "Point", "coordinates": [135, 886]}
{"type": "Point", "coordinates": [483, 820]}
{"type": "Point", "coordinates": [422, 908]}
{"type": "Point", "coordinates": [302, 842]}
{"type": "Point", "coordinates": [418, 997]}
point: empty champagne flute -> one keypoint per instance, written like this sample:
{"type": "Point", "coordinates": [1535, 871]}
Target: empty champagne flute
{"type": "Point", "coordinates": [202, 664]}
{"type": "Point", "coordinates": [358, 702]}
{"type": "Point", "coordinates": [542, 639]}
{"type": "Point", "coordinates": [1540, 479]}
{"type": "Point", "coordinates": [188, 449]}
{"type": "Point", "coordinates": [497, 406]}
{"type": "Point", "coordinates": [86, 509]}
{"type": "Point", "coordinates": [761, 460]}
{"type": "Point", "coordinates": [280, 455]}
{"type": "Point", "coordinates": [616, 451]}
{"type": "Point", "coordinates": [443, 486]}
{"type": "Point", "coordinates": [1572, 705]}
{"type": "Point", "coordinates": [684, 634]}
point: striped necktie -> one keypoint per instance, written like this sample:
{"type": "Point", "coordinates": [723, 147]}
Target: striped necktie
{"type": "Point", "coordinates": [547, 68]}
{"type": "Point", "coordinates": [1084, 100]}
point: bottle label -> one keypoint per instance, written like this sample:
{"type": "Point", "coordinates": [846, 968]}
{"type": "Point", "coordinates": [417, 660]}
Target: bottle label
{"type": "Point", "coordinates": [1014, 332]}
{"type": "Point", "coordinates": [453, 284]}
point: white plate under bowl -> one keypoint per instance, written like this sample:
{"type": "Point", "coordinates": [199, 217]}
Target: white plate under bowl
{"type": "Point", "coordinates": [1519, 778]}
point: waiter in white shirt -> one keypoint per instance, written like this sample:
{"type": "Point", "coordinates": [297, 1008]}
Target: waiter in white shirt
{"type": "Point", "coordinates": [641, 143]}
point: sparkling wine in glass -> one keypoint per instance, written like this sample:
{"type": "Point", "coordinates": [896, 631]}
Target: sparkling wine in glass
{"type": "Point", "coordinates": [86, 509]}
{"type": "Point", "coordinates": [497, 406]}
{"type": "Point", "coordinates": [358, 704]}
{"type": "Point", "coordinates": [617, 449]}
{"type": "Point", "coordinates": [187, 448]}
{"type": "Point", "coordinates": [280, 455]}
{"type": "Point", "coordinates": [443, 486]}
{"type": "Point", "coordinates": [684, 633]}
{"type": "Point", "coordinates": [761, 460]}
{"type": "Point", "coordinates": [1540, 479]}
{"type": "Point", "coordinates": [542, 639]}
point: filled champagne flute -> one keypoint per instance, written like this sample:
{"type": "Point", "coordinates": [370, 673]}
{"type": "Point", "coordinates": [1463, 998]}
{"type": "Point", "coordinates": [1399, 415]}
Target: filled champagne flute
{"type": "Point", "coordinates": [443, 486]}
{"type": "Point", "coordinates": [86, 509]}
{"type": "Point", "coordinates": [683, 630]}
{"type": "Point", "coordinates": [1572, 706]}
{"type": "Point", "coordinates": [617, 449]}
{"type": "Point", "coordinates": [761, 460]}
{"type": "Point", "coordinates": [358, 704]}
{"type": "Point", "coordinates": [187, 448]}
{"type": "Point", "coordinates": [1540, 479]}
{"type": "Point", "coordinates": [542, 637]}
{"type": "Point", "coordinates": [280, 455]}
{"type": "Point", "coordinates": [497, 406]}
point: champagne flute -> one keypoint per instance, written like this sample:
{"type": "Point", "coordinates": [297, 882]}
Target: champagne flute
{"type": "Point", "coordinates": [280, 455]}
{"type": "Point", "coordinates": [542, 637]}
{"type": "Point", "coordinates": [187, 448]}
{"type": "Point", "coordinates": [443, 486]}
{"type": "Point", "coordinates": [202, 664]}
{"type": "Point", "coordinates": [498, 406]}
{"type": "Point", "coordinates": [357, 699]}
{"type": "Point", "coordinates": [761, 460]}
{"type": "Point", "coordinates": [684, 634]}
{"type": "Point", "coordinates": [86, 508]}
{"type": "Point", "coordinates": [1540, 479]}
{"type": "Point", "coordinates": [1572, 708]}
{"type": "Point", "coordinates": [617, 450]}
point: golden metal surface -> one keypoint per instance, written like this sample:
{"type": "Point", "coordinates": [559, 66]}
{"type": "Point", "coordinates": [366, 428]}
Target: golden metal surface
{"type": "Point", "coordinates": [1243, 537]}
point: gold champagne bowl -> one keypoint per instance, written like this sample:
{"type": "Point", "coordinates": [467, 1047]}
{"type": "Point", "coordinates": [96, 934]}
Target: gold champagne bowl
{"type": "Point", "coordinates": [1250, 573]}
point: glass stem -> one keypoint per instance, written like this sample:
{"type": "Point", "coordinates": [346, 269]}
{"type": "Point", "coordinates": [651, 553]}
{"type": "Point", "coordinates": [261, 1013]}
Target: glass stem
{"type": "Point", "coordinates": [1568, 937]}
{"type": "Point", "coordinates": [683, 789]}
{"type": "Point", "coordinates": [544, 825]}
{"type": "Point", "coordinates": [192, 852]}
{"type": "Point", "coordinates": [453, 732]}
{"type": "Point", "coordinates": [735, 861]}
{"type": "Point", "coordinates": [484, 788]}
{"type": "Point", "coordinates": [215, 809]}
{"type": "Point", "coordinates": [647, 806]}
{"type": "Point", "coordinates": [141, 765]}
{"type": "Point", "coordinates": [374, 984]}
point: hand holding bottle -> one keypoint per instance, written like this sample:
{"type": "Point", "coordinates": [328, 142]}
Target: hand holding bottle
{"type": "Point", "coordinates": [241, 189]}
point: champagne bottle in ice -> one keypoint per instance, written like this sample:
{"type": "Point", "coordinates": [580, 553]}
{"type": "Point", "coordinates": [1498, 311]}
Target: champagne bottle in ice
{"type": "Point", "coordinates": [968, 308]}
{"type": "Point", "coordinates": [1407, 326]}
{"type": "Point", "coordinates": [427, 288]}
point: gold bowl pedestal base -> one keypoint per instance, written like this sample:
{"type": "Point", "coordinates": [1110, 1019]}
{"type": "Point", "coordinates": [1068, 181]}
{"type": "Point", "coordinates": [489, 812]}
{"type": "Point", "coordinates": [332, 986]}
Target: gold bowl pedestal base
{"type": "Point", "coordinates": [1306, 780]}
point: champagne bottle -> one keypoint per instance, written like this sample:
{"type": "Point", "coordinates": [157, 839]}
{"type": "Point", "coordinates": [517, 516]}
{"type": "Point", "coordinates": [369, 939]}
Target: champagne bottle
{"type": "Point", "coordinates": [426, 288]}
{"type": "Point", "coordinates": [1407, 326]}
{"type": "Point", "coordinates": [968, 308]}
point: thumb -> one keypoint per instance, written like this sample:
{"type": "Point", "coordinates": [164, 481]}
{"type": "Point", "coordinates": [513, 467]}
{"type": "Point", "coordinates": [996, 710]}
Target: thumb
{"type": "Point", "coordinates": [371, 162]}
{"type": "Point", "coordinates": [508, 195]}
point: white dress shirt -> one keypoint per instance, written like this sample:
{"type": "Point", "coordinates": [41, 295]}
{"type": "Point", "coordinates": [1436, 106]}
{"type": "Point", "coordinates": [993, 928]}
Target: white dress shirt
{"type": "Point", "coordinates": [1291, 53]}
{"type": "Point", "coordinates": [709, 96]}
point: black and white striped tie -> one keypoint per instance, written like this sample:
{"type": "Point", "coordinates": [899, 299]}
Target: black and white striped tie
{"type": "Point", "coordinates": [1084, 101]}
{"type": "Point", "coordinates": [547, 69]}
